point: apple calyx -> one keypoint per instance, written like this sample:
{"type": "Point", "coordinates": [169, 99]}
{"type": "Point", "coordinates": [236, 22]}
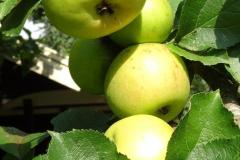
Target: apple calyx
{"type": "Point", "coordinates": [164, 110]}
{"type": "Point", "coordinates": [104, 8]}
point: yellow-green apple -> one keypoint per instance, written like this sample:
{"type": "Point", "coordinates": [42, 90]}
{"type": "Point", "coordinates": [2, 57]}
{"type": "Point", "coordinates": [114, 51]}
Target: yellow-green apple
{"type": "Point", "coordinates": [91, 18]}
{"type": "Point", "coordinates": [152, 25]}
{"type": "Point", "coordinates": [141, 137]}
{"type": "Point", "coordinates": [89, 61]}
{"type": "Point", "coordinates": [147, 79]}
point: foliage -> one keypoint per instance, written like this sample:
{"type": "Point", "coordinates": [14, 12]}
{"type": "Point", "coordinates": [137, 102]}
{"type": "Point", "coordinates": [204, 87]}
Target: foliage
{"type": "Point", "coordinates": [209, 24]}
{"type": "Point", "coordinates": [206, 34]}
{"type": "Point", "coordinates": [17, 143]}
{"type": "Point", "coordinates": [52, 37]}
{"type": "Point", "coordinates": [56, 40]}
{"type": "Point", "coordinates": [25, 50]}
{"type": "Point", "coordinates": [207, 123]}
{"type": "Point", "coordinates": [81, 118]}
{"type": "Point", "coordinates": [81, 144]}
{"type": "Point", "coordinates": [20, 49]}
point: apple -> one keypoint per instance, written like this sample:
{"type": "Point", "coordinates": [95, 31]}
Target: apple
{"type": "Point", "coordinates": [89, 60]}
{"type": "Point", "coordinates": [91, 18]}
{"type": "Point", "coordinates": [141, 137]}
{"type": "Point", "coordinates": [147, 79]}
{"type": "Point", "coordinates": [154, 24]}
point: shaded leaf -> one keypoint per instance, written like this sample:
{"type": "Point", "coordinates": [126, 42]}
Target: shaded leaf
{"type": "Point", "coordinates": [206, 121]}
{"type": "Point", "coordinates": [82, 145]}
{"type": "Point", "coordinates": [234, 66]}
{"type": "Point", "coordinates": [28, 156]}
{"type": "Point", "coordinates": [209, 24]}
{"type": "Point", "coordinates": [6, 7]}
{"type": "Point", "coordinates": [18, 143]}
{"type": "Point", "coordinates": [9, 157]}
{"type": "Point", "coordinates": [80, 118]}
{"type": "Point", "coordinates": [41, 157]}
{"type": "Point", "coordinates": [211, 58]}
{"type": "Point", "coordinates": [12, 24]}
{"type": "Point", "coordinates": [174, 4]}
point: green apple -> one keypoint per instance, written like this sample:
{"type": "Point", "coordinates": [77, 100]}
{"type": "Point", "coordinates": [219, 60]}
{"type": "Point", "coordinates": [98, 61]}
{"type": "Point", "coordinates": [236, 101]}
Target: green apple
{"type": "Point", "coordinates": [141, 137]}
{"type": "Point", "coordinates": [89, 61]}
{"type": "Point", "coordinates": [147, 79]}
{"type": "Point", "coordinates": [152, 25]}
{"type": "Point", "coordinates": [91, 18]}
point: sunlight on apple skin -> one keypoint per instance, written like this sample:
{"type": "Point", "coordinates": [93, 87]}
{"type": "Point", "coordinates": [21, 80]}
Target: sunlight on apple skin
{"type": "Point", "coordinates": [151, 67]}
{"type": "Point", "coordinates": [149, 145]}
{"type": "Point", "coordinates": [80, 18]}
{"type": "Point", "coordinates": [141, 137]}
{"type": "Point", "coordinates": [154, 24]}
{"type": "Point", "coordinates": [147, 79]}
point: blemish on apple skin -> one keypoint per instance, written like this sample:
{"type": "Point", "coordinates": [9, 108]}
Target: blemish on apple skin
{"type": "Point", "coordinates": [147, 51]}
{"type": "Point", "coordinates": [175, 64]}
{"type": "Point", "coordinates": [164, 110]}
{"type": "Point", "coordinates": [174, 71]}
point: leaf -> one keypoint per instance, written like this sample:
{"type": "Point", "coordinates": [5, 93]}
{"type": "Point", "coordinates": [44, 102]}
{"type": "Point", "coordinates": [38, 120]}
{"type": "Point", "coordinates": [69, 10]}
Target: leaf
{"type": "Point", "coordinates": [212, 58]}
{"type": "Point", "coordinates": [12, 24]}
{"type": "Point", "coordinates": [82, 145]}
{"type": "Point", "coordinates": [28, 156]}
{"type": "Point", "coordinates": [81, 118]}
{"type": "Point", "coordinates": [9, 157]}
{"type": "Point", "coordinates": [209, 24]}
{"type": "Point", "coordinates": [174, 4]}
{"type": "Point", "coordinates": [206, 121]}
{"type": "Point", "coordinates": [18, 143]}
{"type": "Point", "coordinates": [219, 149]}
{"type": "Point", "coordinates": [6, 7]}
{"type": "Point", "coordinates": [41, 157]}
{"type": "Point", "coordinates": [234, 66]}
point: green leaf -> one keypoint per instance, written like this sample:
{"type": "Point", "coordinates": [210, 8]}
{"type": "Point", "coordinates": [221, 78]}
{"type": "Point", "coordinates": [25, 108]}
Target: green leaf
{"type": "Point", "coordinates": [209, 24]}
{"type": "Point", "coordinates": [174, 4]}
{"type": "Point", "coordinates": [18, 143]}
{"type": "Point", "coordinates": [234, 66]}
{"type": "Point", "coordinates": [81, 118]}
{"type": "Point", "coordinates": [9, 157]}
{"type": "Point", "coordinates": [41, 157]}
{"type": "Point", "coordinates": [206, 121]}
{"type": "Point", "coordinates": [211, 58]}
{"type": "Point", "coordinates": [219, 149]}
{"type": "Point", "coordinates": [6, 7]}
{"type": "Point", "coordinates": [82, 145]}
{"type": "Point", "coordinates": [28, 156]}
{"type": "Point", "coordinates": [12, 24]}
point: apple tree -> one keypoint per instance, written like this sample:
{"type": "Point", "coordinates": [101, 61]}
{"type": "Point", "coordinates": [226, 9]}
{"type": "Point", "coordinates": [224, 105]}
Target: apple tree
{"type": "Point", "coordinates": [204, 34]}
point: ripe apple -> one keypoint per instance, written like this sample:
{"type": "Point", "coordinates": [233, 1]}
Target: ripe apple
{"type": "Point", "coordinates": [91, 18]}
{"type": "Point", "coordinates": [147, 79]}
{"type": "Point", "coordinates": [141, 137]}
{"type": "Point", "coordinates": [152, 25]}
{"type": "Point", "coordinates": [89, 61]}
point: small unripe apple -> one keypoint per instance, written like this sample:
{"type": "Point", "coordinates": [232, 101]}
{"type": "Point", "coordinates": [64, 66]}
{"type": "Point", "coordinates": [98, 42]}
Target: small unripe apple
{"type": "Point", "coordinates": [91, 18]}
{"type": "Point", "coordinates": [147, 79]}
{"type": "Point", "coordinates": [141, 137]}
{"type": "Point", "coordinates": [154, 24]}
{"type": "Point", "coordinates": [89, 61]}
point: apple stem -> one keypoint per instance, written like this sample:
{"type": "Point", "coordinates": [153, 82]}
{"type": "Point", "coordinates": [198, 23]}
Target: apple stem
{"type": "Point", "coordinates": [104, 8]}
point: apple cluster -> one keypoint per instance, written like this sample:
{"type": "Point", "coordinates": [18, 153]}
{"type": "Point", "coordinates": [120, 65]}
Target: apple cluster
{"type": "Point", "coordinates": [120, 52]}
